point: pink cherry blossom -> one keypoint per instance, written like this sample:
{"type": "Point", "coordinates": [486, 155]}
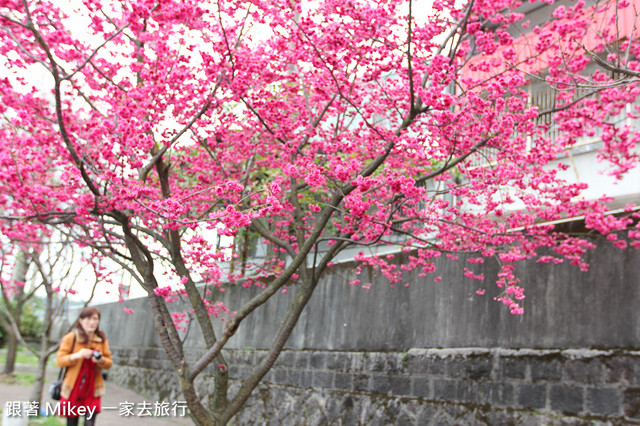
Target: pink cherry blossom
{"type": "Point", "coordinates": [189, 148]}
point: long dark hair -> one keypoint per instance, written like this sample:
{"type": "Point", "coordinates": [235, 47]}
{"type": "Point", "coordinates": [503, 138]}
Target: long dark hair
{"type": "Point", "coordinates": [89, 311]}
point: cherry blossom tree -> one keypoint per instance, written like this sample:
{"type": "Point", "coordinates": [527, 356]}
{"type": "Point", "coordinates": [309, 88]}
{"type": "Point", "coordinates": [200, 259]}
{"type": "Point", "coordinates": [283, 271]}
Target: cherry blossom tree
{"type": "Point", "coordinates": [13, 303]}
{"type": "Point", "coordinates": [48, 270]}
{"type": "Point", "coordinates": [170, 135]}
{"type": "Point", "coordinates": [60, 269]}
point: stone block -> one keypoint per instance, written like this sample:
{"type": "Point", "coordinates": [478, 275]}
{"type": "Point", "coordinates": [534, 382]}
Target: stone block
{"type": "Point", "coordinates": [422, 387]}
{"type": "Point", "coordinates": [230, 355]}
{"type": "Point", "coordinates": [584, 371]}
{"type": "Point", "coordinates": [437, 366]}
{"type": "Point", "coordinates": [380, 384]}
{"type": "Point", "coordinates": [417, 364]}
{"type": "Point", "coordinates": [323, 379]}
{"type": "Point", "coordinates": [343, 381]}
{"type": "Point", "coordinates": [532, 396]}
{"type": "Point", "coordinates": [395, 362]}
{"type": "Point", "coordinates": [233, 371]}
{"type": "Point", "coordinates": [245, 356]}
{"type": "Point", "coordinates": [361, 382]}
{"type": "Point", "coordinates": [151, 353]}
{"type": "Point", "coordinates": [317, 360]}
{"type": "Point", "coordinates": [445, 390]}
{"type": "Point", "coordinates": [337, 361]}
{"type": "Point", "coordinates": [376, 362]}
{"type": "Point", "coordinates": [424, 364]}
{"type": "Point", "coordinates": [381, 417]}
{"type": "Point", "coordinates": [302, 378]}
{"type": "Point", "coordinates": [467, 391]}
{"type": "Point", "coordinates": [566, 399]}
{"type": "Point", "coordinates": [496, 394]}
{"type": "Point", "coordinates": [243, 371]}
{"type": "Point", "coordinates": [501, 418]}
{"type": "Point", "coordinates": [513, 368]}
{"type": "Point", "coordinates": [428, 414]}
{"type": "Point", "coordinates": [548, 368]}
{"type": "Point", "coordinates": [302, 360]}
{"type": "Point", "coordinates": [604, 401]}
{"type": "Point", "coordinates": [294, 377]}
{"type": "Point", "coordinates": [347, 403]}
{"type": "Point", "coordinates": [620, 370]}
{"type": "Point", "coordinates": [404, 420]}
{"type": "Point", "coordinates": [400, 385]}
{"type": "Point", "coordinates": [409, 408]}
{"type": "Point", "coordinates": [306, 378]}
{"type": "Point", "coordinates": [158, 364]}
{"type": "Point", "coordinates": [631, 403]}
{"type": "Point", "coordinates": [456, 367]}
{"type": "Point", "coordinates": [479, 367]}
{"type": "Point", "coordinates": [286, 359]}
{"type": "Point", "coordinates": [356, 361]}
{"type": "Point", "coordinates": [280, 375]}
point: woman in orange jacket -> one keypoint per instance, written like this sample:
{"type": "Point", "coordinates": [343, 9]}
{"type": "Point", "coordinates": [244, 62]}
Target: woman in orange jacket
{"type": "Point", "coordinates": [84, 352]}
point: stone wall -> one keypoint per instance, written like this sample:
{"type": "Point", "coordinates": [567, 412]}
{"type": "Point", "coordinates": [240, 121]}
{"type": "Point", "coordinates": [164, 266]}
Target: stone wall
{"type": "Point", "coordinates": [420, 386]}
{"type": "Point", "coordinates": [564, 308]}
{"type": "Point", "coordinates": [354, 356]}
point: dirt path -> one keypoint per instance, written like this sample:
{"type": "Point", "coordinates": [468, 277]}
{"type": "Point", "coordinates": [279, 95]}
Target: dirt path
{"type": "Point", "coordinates": [120, 406]}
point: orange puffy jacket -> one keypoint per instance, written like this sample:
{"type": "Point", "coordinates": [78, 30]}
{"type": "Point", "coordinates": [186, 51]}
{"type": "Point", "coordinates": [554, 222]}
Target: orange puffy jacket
{"type": "Point", "coordinates": [63, 359]}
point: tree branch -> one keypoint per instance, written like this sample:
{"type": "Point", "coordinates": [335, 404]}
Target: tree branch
{"type": "Point", "coordinates": [142, 173]}
{"type": "Point", "coordinates": [457, 161]}
{"type": "Point", "coordinates": [95, 51]}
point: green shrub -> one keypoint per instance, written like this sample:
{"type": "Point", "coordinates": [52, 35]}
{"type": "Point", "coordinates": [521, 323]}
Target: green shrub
{"type": "Point", "coordinates": [30, 323]}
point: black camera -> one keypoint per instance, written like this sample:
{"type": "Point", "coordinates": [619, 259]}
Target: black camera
{"type": "Point", "coordinates": [97, 355]}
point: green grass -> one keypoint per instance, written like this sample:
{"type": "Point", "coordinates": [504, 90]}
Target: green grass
{"type": "Point", "coordinates": [25, 357]}
{"type": "Point", "coordinates": [22, 357]}
{"type": "Point", "coordinates": [47, 421]}
{"type": "Point", "coordinates": [21, 379]}
{"type": "Point", "coordinates": [44, 421]}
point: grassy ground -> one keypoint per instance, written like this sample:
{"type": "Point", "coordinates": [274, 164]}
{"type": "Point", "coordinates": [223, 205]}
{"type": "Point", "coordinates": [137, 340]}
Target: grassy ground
{"type": "Point", "coordinates": [23, 379]}
{"type": "Point", "coordinates": [48, 421]}
{"type": "Point", "coordinates": [20, 379]}
{"type": "Point", "coordinates": [25, 357]}
{"type": "Point", "coordinates": [45, 421]}
{"type": "Point", "coordinates": [34, 421]}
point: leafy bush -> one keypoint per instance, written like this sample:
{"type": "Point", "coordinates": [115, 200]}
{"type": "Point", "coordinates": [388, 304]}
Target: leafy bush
{"type": "Point", "coordinates": [30, 323]}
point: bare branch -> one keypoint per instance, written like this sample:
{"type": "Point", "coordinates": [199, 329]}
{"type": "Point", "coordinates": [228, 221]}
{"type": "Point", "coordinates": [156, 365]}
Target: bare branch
{"type": "Point", "coordinates": [259, 227]}
{"type": "Point", "coordinates": [606, 65]}
{"type": "Point", "coordinates": [410, 59]}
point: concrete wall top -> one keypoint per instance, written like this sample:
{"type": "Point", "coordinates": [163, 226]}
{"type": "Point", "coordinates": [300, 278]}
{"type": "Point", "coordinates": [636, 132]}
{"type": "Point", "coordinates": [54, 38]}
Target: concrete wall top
{"type": "Point", "coordinates": [564, 308]}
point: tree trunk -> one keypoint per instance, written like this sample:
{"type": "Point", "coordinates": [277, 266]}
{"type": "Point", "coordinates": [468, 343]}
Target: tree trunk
{"type": "Point", "coordinates": [43, 356]}
{"type": "Point", "coordinates": [45, 351]}
{"type": "Point", "coordinates": [41, 372]}
{"type": "Point", "coordinates": [12, 350]}
{"type": "Point", "coordinates": [19, 274]}
{"type": "Point", "coordinates": [199, 414]}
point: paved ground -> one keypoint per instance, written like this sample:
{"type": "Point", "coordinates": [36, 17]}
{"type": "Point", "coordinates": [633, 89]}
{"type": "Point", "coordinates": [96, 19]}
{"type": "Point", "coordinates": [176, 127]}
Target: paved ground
{"type": "Point", "coordinates": [116, 399]}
